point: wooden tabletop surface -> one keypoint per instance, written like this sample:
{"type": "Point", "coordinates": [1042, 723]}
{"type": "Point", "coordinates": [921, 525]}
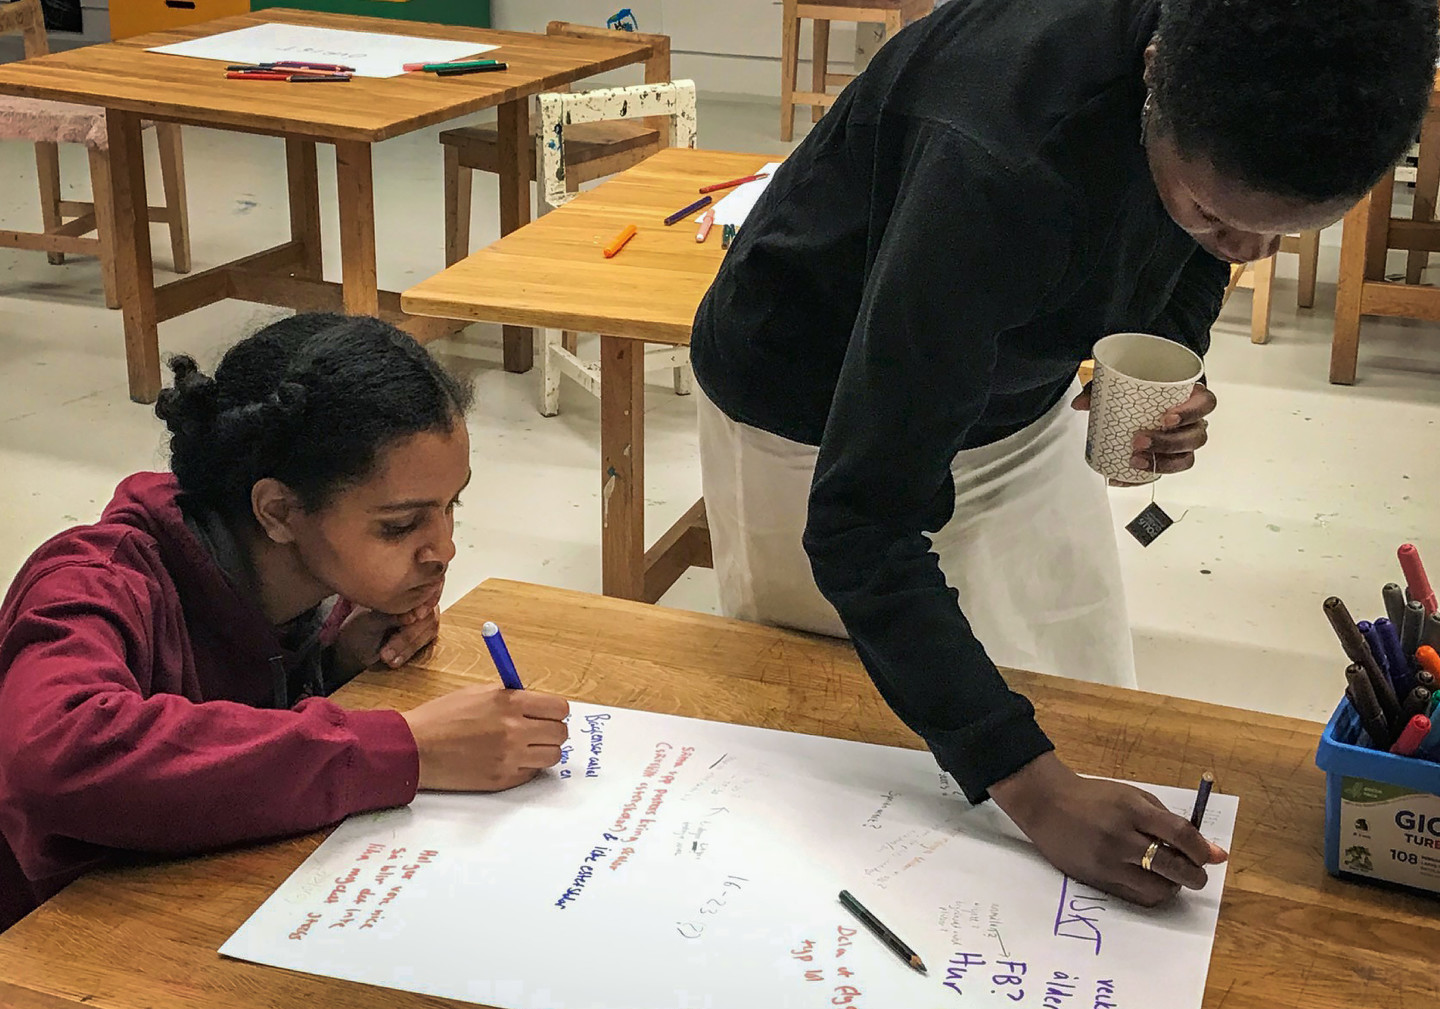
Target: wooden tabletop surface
{"type": "Point", "coordinates": [122, 75]}
{"type": "Point", "coordinates": [1289, 935]}
{"type": "Point", "coordinates": [552, 272]}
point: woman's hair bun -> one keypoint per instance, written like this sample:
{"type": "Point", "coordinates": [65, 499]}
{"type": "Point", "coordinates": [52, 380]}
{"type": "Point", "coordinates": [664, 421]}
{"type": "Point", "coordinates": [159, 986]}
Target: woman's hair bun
{"type": "Point", "coordinates": [192, 400]}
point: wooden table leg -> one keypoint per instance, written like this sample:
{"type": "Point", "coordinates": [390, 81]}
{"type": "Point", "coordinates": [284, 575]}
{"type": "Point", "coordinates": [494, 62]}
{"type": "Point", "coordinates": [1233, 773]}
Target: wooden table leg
{"type": "Point", "coordinates": [305, 206]}
{"type": "Point", "coordinates": [1345, 347]}
{"type": "Point", "coordinates": [134, 270]}
{"type": "Point", "coordinates": [47, 165]}
{"type": "Point", "coordinates": [622, 467]}
{"type": "Point", "coordinates": [356, 189]}
{"type": "Point", "coordinates": [514, 173]}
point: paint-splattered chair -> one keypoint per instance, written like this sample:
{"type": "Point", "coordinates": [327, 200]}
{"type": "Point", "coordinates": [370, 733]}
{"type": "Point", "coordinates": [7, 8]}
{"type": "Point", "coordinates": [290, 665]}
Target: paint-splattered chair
{"type": "Point", "coordinates": [47, 125]}
{"type": "Point", "coordinates": [560, 115]}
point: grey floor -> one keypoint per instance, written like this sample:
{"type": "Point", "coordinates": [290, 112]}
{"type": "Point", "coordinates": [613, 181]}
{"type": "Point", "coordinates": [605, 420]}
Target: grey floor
{"type": "Point", "coordinates": [1305, 490]}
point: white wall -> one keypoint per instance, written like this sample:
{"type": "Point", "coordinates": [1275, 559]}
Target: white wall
{"type": "Point", "coordinates": [730, 47]}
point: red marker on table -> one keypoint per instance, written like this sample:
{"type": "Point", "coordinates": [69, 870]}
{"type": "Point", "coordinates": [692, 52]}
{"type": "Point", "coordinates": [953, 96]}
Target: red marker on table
{"type": "Point", "coordinates": [295, 78]}
{"type": "Point", "coordinates": [1415, 577]}
{"type": "Point", "coordinates": [1415, 731]}
{"type": "Point", "coordinates": [733, 183]}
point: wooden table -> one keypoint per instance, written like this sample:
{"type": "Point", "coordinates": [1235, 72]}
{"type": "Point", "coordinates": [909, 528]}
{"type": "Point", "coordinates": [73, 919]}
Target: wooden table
{"type": "Point", "coordinates": [1369, 233]}
{"type": "Point", "coordinates": [133, 84]}
{"type": "Point", "coordinates": [551, 273]}
{"type": "Point", "coordinates": [1290, 936]}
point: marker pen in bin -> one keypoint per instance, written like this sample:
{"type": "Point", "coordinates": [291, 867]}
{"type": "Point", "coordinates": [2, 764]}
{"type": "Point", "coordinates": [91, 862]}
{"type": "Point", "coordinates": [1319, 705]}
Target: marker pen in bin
{"type": "Point", "coordinates": [1414, 734]}
{"type": "Point", "coordinates": [1371, 717]}
{"type": "Point", "coordinates": [1415, 578]}
{"type": "Point", "coordinates": [1417, 702]}
{"type": "Point", "coordinates": [1429, 747]}
{"type": "Point", "coordinates": [1394, 597]}
{"type": "Point", "coordinates": [1376, 646]}
{"type": "Point", "coordinates": [1396, 660]}
{"type": "Point", "coordinates": [1411, 628]}
{"type": "Point", "coordinates": [1358, 651]}
{"type": "Point", "coordinates": [1431, 634]}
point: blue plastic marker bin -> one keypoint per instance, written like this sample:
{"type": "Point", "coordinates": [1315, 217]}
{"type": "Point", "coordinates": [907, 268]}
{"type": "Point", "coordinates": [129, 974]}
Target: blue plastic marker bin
{"type": "Point", "coordinates": [1382, 812]}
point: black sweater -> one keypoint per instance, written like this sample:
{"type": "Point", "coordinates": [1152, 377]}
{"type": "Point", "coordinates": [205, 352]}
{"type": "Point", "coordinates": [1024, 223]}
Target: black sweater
{"type": "Point", "coordinates": [924, 274]}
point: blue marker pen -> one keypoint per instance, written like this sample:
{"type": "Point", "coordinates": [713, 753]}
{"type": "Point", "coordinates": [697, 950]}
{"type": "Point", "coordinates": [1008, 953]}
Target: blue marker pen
{"type": "Point", "coordinates": [1397, 662]}
{"type": "Point", "coordinates": [503, 662]}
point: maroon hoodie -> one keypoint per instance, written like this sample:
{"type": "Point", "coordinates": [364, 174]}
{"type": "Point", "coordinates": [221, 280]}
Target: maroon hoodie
{"type": "Point", "coordinates": [134, 681]}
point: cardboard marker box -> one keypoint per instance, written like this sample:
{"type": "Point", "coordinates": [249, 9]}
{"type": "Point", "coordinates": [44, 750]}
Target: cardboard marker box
{"type": "Point", "coordinates": [1382, 812]}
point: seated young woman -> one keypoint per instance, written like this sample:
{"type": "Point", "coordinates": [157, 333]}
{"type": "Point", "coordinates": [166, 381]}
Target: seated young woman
{"type": "Point", "coordinates": [164, 672]}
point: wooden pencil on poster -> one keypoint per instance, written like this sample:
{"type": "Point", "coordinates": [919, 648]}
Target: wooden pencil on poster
{"type": "Point", "coordinates": [877, 927]}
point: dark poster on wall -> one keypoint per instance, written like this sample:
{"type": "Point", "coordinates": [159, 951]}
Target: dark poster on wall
{"type": "Point", "coordinates": [62, 15]}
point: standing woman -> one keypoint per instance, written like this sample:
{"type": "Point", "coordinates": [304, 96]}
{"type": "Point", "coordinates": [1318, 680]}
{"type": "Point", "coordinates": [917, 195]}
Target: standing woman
{"type": "Point", "coordinates": [887, 356]}
{"type": "Point", "coordinates": [164, 672]}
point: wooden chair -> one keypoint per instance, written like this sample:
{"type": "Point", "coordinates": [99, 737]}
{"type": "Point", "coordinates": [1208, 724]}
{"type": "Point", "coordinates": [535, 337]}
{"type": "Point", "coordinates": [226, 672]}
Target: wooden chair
{"type": "Point", "coordinates": [49, 124]}
{"type": "Point", "coordinates": [560, 116]}
{"type": "Point", "coordinates": [594, 150]}
{"type": "Point", "coordinates": [1371, 231]}
{"type": "Point", "coordinates": [1260, 277]}
{"type": "Point", "coordinates": [893, 14]}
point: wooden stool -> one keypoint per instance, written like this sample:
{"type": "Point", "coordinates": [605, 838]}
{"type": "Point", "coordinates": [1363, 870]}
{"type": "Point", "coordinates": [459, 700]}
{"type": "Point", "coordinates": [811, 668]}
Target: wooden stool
{"type": "Point", "coordinates": [592, 151]}
{"type": "Point", "coordinates": [48, 124]}
{"type": "Point", "coordinates": [893, 14]}
{"type": "Point", "coordinates": [1371, 232]}
{"type": "Point", "coordinates": [1260, 277]}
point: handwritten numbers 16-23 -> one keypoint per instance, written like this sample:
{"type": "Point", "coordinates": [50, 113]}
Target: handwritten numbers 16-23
{"type": "Point", "coordinates": [712, 906]}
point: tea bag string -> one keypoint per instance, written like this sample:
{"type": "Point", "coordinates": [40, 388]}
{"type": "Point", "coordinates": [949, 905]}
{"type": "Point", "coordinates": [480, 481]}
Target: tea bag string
{"type": "Point", "coordinates": [1154, 464]}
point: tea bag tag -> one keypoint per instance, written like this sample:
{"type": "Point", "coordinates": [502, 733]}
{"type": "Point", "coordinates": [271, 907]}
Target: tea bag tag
{"type": "Point", "coordinates": [1149, 524]}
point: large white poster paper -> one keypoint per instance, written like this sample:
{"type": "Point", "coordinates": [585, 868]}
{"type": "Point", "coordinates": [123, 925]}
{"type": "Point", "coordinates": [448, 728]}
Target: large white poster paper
{"type": "Point", "coordinates": [672, 863]}
{"type": "Point", "coordinates": [370, 53]}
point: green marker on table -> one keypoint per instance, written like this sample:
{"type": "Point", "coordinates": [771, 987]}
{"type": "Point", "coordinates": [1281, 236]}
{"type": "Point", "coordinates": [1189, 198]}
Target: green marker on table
{"type": "Point", "coordinates": [431, 68]}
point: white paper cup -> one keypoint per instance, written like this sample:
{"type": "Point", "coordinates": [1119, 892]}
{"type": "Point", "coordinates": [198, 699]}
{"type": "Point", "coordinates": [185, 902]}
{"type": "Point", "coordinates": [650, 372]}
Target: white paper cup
{"type": "Point", "coordinates": [1138, 379]}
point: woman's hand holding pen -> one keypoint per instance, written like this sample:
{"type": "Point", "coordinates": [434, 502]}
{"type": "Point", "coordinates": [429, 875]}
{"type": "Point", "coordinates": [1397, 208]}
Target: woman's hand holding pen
{"type": "Point", "coordinates": [485, 738]}
{"type": "Point", "coordinates": [1098, 832]}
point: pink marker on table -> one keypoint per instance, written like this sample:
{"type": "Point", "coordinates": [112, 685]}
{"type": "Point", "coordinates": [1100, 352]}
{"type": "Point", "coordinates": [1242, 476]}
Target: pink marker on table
{"type": "Point", "coordinates": [707, 221]}
{"type": "Point", "coordinates": [1415, 577]}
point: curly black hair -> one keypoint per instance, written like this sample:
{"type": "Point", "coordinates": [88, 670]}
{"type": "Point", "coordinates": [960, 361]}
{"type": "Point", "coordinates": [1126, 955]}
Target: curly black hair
{"type": "Point", "coordinates": [1305, 99]}
{"type": "Point", "coordinates": [310, 401]}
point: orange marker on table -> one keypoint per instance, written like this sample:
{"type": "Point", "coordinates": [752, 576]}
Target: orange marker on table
{"type": "Point", "coordinates": [614, 247]}
{"type": "Point", "coordinates": [707, 221]}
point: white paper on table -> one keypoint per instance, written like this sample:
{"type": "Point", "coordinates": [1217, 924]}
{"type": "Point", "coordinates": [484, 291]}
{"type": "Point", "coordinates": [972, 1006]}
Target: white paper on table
{"type": "Point", "coordinates": [672, 863]}
{"type": "Point", "coordinates": [737, 204]}
{"type": "Point", "coordinates": [370, 53]}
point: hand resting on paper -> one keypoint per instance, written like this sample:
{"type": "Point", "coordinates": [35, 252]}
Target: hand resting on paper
{"type": "Point", "coordinates": [486, 738]}
{"type": "Point", "coordinates": [1098, 831]}
{"type": "Point", "coordinates": [1183, 431]}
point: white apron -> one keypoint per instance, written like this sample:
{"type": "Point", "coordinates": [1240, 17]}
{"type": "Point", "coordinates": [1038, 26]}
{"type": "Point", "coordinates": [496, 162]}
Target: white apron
{"type": "Point", "coordinates": [1030, 549]}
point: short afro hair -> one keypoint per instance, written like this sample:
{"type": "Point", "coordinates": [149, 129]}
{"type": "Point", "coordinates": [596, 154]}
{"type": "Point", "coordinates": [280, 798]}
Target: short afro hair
{"type": "Point", "coordinates": [1306, 99]}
